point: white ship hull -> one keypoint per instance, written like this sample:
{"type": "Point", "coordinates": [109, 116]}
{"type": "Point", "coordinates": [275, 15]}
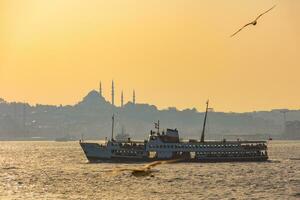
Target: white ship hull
{"type": "Point", "coordinates": [184, 151]}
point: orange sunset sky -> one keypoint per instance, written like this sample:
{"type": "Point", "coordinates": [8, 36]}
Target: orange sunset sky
{"type": "Point", "coordinates": [172, 52]}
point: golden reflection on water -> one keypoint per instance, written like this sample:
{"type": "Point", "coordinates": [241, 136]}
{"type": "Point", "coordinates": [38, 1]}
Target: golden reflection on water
{"type": "Point", "coordinates": [59, 170]}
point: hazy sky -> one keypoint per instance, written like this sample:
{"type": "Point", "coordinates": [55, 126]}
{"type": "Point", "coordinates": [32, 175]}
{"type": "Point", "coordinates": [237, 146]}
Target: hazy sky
{"type": "Point", "coordinates": [172, 52]}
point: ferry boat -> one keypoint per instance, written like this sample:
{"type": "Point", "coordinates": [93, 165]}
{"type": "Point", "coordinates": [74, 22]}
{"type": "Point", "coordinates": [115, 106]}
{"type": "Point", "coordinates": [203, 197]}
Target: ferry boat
{"type": "Point", "coordinates": [168, 146]}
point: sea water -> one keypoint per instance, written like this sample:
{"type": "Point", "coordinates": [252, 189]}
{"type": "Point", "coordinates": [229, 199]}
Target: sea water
{"type": "Point", "coordinates": [59, 170]}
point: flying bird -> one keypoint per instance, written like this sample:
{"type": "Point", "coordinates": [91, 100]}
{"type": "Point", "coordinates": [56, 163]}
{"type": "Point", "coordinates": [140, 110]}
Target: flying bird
{"type": "Point", "coordinates": [145, 170]}
{"type": "Point", "coordinates": [253, 22]}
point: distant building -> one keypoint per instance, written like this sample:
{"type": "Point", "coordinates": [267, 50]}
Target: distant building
{"type": "Point", "coordinates": [292, 129]}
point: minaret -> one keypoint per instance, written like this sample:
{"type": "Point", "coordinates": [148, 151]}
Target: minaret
{"type": "Point", "coordinates": [133, 97]}
{"type": "Point", "coordinates": [100, 89]}
{"type": "Point", "coordinates": [112, 93]}
{"type": "Point", "coordinates": [122, 99]}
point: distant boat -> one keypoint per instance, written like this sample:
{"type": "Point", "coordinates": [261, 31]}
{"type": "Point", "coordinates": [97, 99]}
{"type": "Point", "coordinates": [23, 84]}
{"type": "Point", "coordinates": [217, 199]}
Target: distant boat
{"type": "Point", "coordinates": [122, 137]}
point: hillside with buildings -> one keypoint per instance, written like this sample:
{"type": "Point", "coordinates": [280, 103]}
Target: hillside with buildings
{"type": "Point", "coordinates": [91, 117]}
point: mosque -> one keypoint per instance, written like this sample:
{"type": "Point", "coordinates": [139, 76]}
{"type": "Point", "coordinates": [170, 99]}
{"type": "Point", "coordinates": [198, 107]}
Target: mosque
{"type": "Point", "coordinates": [113, 94]}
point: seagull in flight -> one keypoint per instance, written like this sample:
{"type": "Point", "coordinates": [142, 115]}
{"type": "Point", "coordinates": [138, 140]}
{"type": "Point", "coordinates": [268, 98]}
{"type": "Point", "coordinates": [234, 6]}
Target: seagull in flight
{"type": "Point", "coordinates": [253, 22]}
{"type": "Point", "coordinates": [145, 170]}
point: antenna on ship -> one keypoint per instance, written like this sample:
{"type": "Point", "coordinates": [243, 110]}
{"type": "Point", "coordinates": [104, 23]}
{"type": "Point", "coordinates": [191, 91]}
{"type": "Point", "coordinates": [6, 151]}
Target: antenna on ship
{"type": "Point", "coordinates": [204, 123]}
{"type": "Point", "coordinates": [112, 127]}
{"type": "Point", "coordinates": [157, 126]}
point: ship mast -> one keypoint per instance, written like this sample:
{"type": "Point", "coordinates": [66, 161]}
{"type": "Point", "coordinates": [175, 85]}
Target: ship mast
{"type": "Point", "coordinates": [204, 123]}
{"type": "Point", "coordinates": [157, 126]}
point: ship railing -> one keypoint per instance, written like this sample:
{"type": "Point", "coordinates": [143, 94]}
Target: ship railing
{"type": "Point", "coordinates": [232, 154]}
{"type": "Point", "coordinates": [254, 146]}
